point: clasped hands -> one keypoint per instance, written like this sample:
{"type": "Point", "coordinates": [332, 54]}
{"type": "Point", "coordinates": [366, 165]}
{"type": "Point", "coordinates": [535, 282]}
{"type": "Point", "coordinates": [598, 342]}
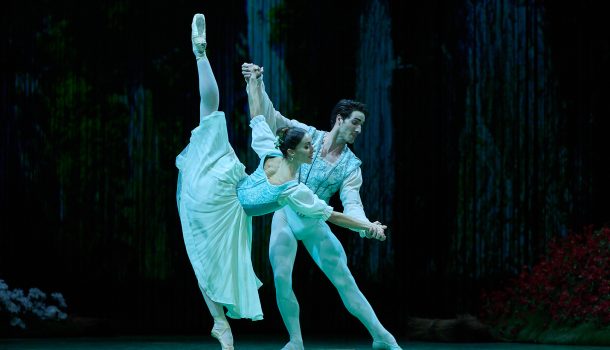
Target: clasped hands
{"type": "Point", "coordinates": [251, 70]}
{"type": "Point", "coordinates": [376, 230]}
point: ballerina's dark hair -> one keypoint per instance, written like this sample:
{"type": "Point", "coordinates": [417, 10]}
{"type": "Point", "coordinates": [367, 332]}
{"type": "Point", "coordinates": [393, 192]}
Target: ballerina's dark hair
{"type": "Point", "coordinates": [289, 138]}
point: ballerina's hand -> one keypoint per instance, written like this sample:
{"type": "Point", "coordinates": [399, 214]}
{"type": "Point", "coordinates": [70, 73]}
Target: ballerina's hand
{"type": "Point", "coordinates": [250, 69]}
{"type": "Point", "coordinates": [245, 70]}
{"type": "Point", "coordinates": [255, 100]}
{"type": "Point", "coordinates": [380, 224]}
{"type": "Point", "coordinates": [369, 233]}
{"type": "Point", "coordinates": [376, 231]}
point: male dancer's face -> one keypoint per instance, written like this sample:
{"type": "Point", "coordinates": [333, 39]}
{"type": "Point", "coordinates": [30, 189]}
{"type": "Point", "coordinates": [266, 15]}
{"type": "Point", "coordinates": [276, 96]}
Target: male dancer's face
{"type": "Point", "coordinates": [351, 127]}
{"type": "Point", "coordinates": [304, 150]}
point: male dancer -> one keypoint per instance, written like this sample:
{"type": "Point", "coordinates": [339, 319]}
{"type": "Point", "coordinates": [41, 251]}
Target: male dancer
{"type": "Point", "coordinates": [335, 168]}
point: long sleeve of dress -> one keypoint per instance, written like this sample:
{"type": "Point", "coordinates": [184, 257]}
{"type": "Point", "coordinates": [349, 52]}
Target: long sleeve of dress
{"type": "Point", "coordinates": [302, 200]}
{"type": "Point", "coordinates": [274, 119]}
{"type": "Point", "coordinates": [263, 140]}
{"type": "Point", "coordinates": [350, 196]}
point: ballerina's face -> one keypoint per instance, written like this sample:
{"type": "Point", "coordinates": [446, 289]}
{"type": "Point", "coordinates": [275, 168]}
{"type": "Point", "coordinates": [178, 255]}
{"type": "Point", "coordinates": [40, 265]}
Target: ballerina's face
{"type": "Point", "coordinates": [303, 153]}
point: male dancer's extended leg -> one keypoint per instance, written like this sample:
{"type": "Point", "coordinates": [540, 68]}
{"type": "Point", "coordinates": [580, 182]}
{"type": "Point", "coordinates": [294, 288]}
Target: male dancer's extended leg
{"type": "Point", "coordinates": [330, 257]}
{"type": "Point", "coordinates": [208, 91]}
{"type": "Point", "coordinates": [282, 252]}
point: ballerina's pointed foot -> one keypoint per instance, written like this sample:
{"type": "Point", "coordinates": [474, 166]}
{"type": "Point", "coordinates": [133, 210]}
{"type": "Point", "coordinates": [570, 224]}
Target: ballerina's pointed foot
{"type": "Point", "coordinates": [388, 344]}
{"type": "Point", "coordinates": [222, 332]}
{"type": "Point", "coordinates": [293, 345]}
{"type": "Point", "coordinates": [198, 36]}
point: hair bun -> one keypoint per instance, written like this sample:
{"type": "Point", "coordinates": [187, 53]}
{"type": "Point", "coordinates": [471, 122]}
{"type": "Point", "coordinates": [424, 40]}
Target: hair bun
{"type": "Point", "coordinates": [281, 132]}
{"type": "Point", "coordinates": [288, 138]}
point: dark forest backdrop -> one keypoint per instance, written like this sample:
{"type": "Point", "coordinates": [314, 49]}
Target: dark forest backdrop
{"type": "Point", "coordinates": [486, 137]}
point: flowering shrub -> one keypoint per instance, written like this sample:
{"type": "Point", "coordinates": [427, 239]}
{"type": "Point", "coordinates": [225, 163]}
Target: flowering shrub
{"type": "Point", "coordinates": [570, 287]}
{"type": "Point", "coordinates": [19, 307]}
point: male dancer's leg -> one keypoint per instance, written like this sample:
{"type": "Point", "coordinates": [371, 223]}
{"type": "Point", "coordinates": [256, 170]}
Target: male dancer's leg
{"type": "Point", "coordinates": [282, 252]}
{"type": "Point", "coordinates": [329, 255]}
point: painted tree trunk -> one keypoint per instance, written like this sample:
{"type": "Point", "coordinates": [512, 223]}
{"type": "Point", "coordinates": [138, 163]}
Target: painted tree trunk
{"type": "Point", "coordinates": [375, 146]}
{"type": "Point", "coordinates": [266, 46]}
{"type": "Point", "coordinates": [515, 191]}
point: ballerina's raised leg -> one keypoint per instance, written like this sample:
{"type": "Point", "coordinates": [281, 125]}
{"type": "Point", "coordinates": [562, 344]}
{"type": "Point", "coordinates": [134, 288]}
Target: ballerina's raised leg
{"type": "Point", "coordinates": [208, 90]}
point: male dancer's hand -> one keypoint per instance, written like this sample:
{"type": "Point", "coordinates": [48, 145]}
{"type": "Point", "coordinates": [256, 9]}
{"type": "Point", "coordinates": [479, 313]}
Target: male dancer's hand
{"type": "Point", "coordinates": [247, 69]}
{"type": "Point", "coordinates": [376, 231]}
{"type": "Point", "coordinates": [370, 233]}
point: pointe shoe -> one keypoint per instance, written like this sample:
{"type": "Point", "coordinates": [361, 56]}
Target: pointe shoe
{"type": "Point", "coordinates": [223, 334]}
{"type": "Point", "coordinates": [198, 36]}
{"type": "Point", "coordinates": [379, 344]}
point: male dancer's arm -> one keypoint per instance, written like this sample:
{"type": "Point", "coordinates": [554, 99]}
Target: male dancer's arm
{"type": "Point", "coordinates": [350, 188]}
{"type": "Point", "coordinates": [371, 229]}
{"type": "Point", "coordinates": [306, 203]}
{"type": "Point", "coordinates": [349, 193]}
{"type": "Point", "coordinates": [256, 92]}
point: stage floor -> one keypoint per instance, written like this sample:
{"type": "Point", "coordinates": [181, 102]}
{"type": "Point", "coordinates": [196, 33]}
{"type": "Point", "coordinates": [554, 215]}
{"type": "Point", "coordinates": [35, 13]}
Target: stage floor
{"type": "Point", "coordinates": [248, 342]}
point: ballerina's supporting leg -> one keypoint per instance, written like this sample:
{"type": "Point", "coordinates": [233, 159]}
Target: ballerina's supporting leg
{"type": "Point", "coordinates": [221, 329]}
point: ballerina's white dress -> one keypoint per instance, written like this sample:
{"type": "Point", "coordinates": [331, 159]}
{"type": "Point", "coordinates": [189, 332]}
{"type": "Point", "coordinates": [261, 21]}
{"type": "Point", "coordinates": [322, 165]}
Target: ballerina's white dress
{"type": "Point", "coordinates": [216, 202]}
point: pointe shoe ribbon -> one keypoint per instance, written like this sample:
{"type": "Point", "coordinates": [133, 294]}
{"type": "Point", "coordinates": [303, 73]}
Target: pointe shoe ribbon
{"type": "Point", "coordinates": [198, 36]}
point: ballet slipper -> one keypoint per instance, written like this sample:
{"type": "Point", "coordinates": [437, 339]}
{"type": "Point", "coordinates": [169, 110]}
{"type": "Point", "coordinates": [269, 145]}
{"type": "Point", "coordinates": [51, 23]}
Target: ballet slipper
{"type": "Point", "coordinates": [222, 332]}
{"type": "Point", "coordinates": [198, 36]}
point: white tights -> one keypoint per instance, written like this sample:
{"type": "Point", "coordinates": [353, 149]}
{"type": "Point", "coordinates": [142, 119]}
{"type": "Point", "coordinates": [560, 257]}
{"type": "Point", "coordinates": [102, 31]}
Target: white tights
{"type": "Point", "coordinates": [208, 91]}
{"type": "Point", "coordinates": [329, 255]}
